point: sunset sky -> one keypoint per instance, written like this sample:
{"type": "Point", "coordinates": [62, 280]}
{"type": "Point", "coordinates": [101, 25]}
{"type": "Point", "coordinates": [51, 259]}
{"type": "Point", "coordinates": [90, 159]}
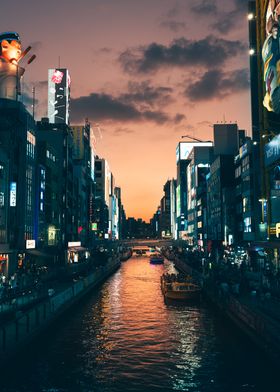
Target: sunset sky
{"type": "Point", "coordinates": [144, 72]}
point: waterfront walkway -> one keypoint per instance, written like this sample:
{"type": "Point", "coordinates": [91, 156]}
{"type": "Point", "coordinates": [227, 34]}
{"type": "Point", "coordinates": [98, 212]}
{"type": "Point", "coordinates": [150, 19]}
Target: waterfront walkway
{"type": "Point", "coordinates": [16, 332]}
{"type": "Point", "coordinates": [257, 313]}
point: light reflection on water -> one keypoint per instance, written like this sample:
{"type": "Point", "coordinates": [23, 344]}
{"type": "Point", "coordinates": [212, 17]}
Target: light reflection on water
{"type": "Point", "coordinates": [125, 338]}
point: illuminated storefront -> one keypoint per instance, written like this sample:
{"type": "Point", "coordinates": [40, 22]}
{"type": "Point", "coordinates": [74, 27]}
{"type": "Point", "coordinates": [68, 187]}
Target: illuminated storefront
{"type": "Point", "coordinates": [76, 253]}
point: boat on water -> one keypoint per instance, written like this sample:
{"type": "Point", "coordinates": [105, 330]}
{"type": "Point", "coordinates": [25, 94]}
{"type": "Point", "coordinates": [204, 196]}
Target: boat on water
{"type": "Point", "coordinates": [156, 258]}
{"type": "Point", "coordinates": [177, 287]}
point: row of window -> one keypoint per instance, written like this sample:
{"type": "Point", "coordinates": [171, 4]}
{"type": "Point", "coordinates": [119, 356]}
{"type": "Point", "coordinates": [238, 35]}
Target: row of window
{"type": "Point", "coordinates": [50, 156]}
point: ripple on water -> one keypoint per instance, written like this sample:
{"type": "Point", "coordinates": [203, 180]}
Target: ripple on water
{"type": "Point", "coordinates": [125, 338]}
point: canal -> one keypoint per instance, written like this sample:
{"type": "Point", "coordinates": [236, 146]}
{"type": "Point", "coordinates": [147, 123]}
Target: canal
{"type": "Point", "coordinates": [125, 338]}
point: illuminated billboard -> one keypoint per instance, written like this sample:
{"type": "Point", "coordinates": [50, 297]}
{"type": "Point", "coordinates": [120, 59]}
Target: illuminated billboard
{"type": "Point", "coordinates": [92, 151]}
{"type": "Point", "coordinates": [184, 148]}
{"type": "Point", "coordinates": [271, 57]}
{"type": "Point", "coordinates": [178, 201]}
{"type": "Point", "coordinates": [58, 95]}
{"type": "Point", "coordinates": [272, 151]}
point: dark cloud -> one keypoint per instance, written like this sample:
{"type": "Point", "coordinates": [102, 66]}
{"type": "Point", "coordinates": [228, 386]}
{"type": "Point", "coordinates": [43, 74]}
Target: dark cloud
{"type": "Point", "coordinates": [205, 8]}
{"type": "Point", "coordinates": [145, 93]}
{"type": "Point", "coordinates": [173, 25]}
{"type": "Point", "coordinates": [205, 123]}
{"type": "Point", "coordinates": [230, 20]}
{"type": "Point", "coordinates": [179, 118]}
{"type": "Point", "coordinates": [174, 11]}
{"type": "Point", "coordinates": [100, 107]}
{"type": "Point", "coordinates": [217, 84]}
{"type": "Point", "coordinates": [223, 21]}
{"type": "Point", "coordinates": [209, 52]}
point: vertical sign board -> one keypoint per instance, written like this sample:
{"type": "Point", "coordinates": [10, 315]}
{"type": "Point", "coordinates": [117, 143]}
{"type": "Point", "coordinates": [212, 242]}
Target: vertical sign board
{"type": "Point", "coordinates": [178, 201]}
{"type": "Point", "coordinates": [58, 95]}
{"type": "Point", "coordinates": [92, 151]}
{"type": "Point", "coordinates": [78, 139]}
{"type": "Point", "coordinates": [13, 194]}
{"type": "Point", "coordinates": [277, 230]}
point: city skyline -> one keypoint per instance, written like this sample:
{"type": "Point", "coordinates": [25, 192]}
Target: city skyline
{"type": "Point", "coordinates": [141, 88]}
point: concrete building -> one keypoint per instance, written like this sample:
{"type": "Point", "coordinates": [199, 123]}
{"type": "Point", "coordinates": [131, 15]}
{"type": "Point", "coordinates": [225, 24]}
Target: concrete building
{"type": "Point", "coordinates": [165, 212]}
{"type": "Point", "coordinates": [182, 158]}
{"type": "Point", "coordinates": [173, 215]}
{"type": "Point", "coordinates": [198, 167]}
{"type": "Point", "coordinates": [59, 138]}
{"type": "Point", "coordinates": [83, 181]}
{"type": "Point", "coordinates": [101, 197]}
{"type": "Point", "coordinates": [18, 170]}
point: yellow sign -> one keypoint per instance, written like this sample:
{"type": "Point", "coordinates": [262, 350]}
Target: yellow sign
{"type": "Point", "coordinates": [277, 230]}
{"type": "Point", "coordinates": [78, 137]}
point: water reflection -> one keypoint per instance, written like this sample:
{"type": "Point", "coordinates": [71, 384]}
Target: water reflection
{"type": "Point", "coordinates": [125, 338]}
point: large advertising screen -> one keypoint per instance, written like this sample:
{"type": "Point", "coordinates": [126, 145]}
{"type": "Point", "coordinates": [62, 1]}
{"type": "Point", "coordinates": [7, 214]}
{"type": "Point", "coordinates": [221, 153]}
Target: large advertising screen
{"type": "Point", "coordinates": [58, 95]}
{"type": "Point", "coordinates": [184, 148]}
{"type": "Point", "coordinates": [272, 151]}
{"type": "Point", "coordinates": [271, 57]}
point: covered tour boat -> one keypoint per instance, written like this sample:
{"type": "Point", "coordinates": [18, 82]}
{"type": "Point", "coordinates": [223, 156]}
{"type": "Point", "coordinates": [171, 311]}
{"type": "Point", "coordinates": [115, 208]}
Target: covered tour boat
{"type": "Point", "coordinates": [176, 287]}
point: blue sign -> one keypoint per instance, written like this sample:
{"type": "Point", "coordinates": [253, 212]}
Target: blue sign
{"type": "Point", "coordinates": [13, 194]}
{"type": "Point", "coordinates": [272, 151]}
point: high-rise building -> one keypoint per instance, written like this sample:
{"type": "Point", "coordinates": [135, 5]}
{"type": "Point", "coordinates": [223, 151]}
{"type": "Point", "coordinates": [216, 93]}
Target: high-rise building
{"type": "Point", "coordinates": [83, 179]}
{"type": "Point", "coordinates": [165, 215]}
{"type": "Point", "coordinates": [182, 157]}
{"type": "Point", "coordinates": [18, 168]}
{"type": "Point", "coordinates": [59, 138]}
{"type": "Point", "coordinates": [198, 167]}
{"type": "Point", "coordinates": [173, 217]}
{"type": "Point", "coordinates": [102, 197]}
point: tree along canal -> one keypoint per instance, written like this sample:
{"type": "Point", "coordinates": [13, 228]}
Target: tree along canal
{"type": "Point", "coordinates": [125, 338]}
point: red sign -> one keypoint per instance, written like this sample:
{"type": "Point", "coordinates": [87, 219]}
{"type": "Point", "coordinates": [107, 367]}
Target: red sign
{"type": "Point", "coordinates": [57, 76]}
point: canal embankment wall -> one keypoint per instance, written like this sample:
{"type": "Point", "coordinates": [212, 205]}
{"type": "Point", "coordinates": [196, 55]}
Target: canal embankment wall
{"type": "Point", "coordinates": [244, 312]}
{"type": "Point", "coordinates": [16, 334]}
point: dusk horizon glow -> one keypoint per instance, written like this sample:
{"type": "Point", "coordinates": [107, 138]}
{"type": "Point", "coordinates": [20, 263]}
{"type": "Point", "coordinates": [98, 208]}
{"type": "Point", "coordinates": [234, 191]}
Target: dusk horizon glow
{"type": "Point", "coordinates": [143, 74]}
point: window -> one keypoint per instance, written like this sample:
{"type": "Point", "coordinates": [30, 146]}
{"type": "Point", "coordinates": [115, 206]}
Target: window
{"type": "Point", "coordinates": [98, 165]}
{"type": "Point", "coordinates": [246, 204]}
{"type": "Point", "coordinates": [247, 225]}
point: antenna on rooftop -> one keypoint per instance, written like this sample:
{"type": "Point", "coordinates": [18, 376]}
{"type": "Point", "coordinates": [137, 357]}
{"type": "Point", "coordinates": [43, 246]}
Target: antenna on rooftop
{"type": "Point", "coordinates": [33, 102]}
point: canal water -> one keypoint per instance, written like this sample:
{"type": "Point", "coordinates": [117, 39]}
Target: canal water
{"type": "Point", "coordinates": [125, 338]}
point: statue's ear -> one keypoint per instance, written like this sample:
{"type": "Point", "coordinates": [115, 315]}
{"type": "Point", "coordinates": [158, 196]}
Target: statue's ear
{"type": "Point", "coordinates": [5, 44]}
